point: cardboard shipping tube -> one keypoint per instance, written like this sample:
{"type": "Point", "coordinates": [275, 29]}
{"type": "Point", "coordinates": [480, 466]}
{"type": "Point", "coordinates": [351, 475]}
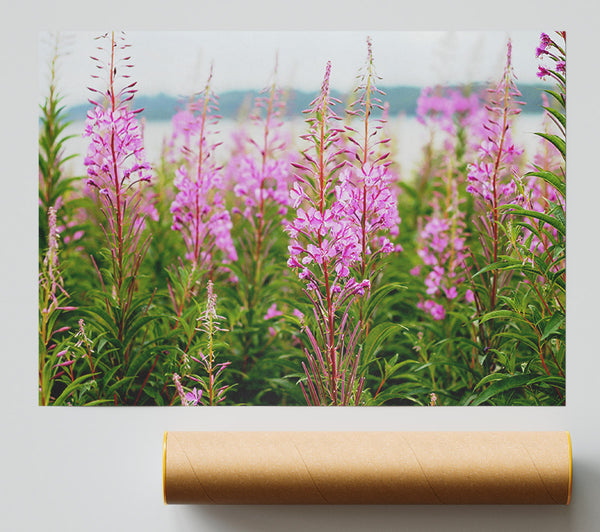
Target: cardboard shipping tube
{"type": "Point", "coordinates": [367, 467]}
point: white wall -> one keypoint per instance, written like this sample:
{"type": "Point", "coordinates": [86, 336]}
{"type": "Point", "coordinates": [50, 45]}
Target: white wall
{"type": "Point", "coordinates": [100, 468]}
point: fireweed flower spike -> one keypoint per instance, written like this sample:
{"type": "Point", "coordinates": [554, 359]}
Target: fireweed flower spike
{"type": "Point", "coordinates": [457, 113]}
{"type": "Point", "coordinates": [51, 300]}
{"type": "Point", "coordinates": [365, 189]}
{"type": "Point", "coordinates": [210, 324]}
{"type": "Point", "coordinates": [553, 54]}
{"type": "Point", "coordinates": [490, 178]}
{"type": "Point", "coordinates": [199, 212]}
{"type": "Point", "coordinates": [458, 116]}
{"type": "Point", "coordinates": [262, 173]}
{"type": "Point", "coordinates": [180, 390]}
{"type": "Point", "coordinates": [116, 166]}
{"type": "Point", "coordinates": [442, 247]}
{"type": "Point", "coordinates": [322, 248]}
{"type": "Point", "coordinates": [50, 278]}
{"type": "Point", "coordinates": [542, 239]}
{"type": "Point", "coordinates": [541, 195]}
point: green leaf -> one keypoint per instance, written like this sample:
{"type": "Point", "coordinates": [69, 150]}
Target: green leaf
{"type": "Point", "coordinates": [554, 221]}
{"type": "Point", "coordinates": [377, 335]}
{"type": "Point", "coordinates": [559, 97]}
{"type": "Point", "coordinates": [502, 314]}
{"type": "Point", "coordinates": [507, 264]}
{"type": "Point", "coordinates": [379, 295]}
{"type": "Point", "coordinates": [118, 384]}
{"type": "Point", "coordinates": [520, 337]}
{"type": "Point", "coordinates": [132, 329]}
{"type": "Point", "coordinates": [101, 319]}
{"type": "Point", "coordinates": [505, 383]}
{"type": "Point", "coordinates": [553, 325]}
{"type": "Point", "coordinates": [556, 141]}
{"type": "Point", "coordinates": [71, 388]}
{"type": "Point", "coordinates": [558, 115]}
{"type": "Point", "coordinates": [557, 182]}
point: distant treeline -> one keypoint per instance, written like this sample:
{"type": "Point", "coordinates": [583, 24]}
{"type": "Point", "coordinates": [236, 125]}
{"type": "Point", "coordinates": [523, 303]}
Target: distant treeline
{"type": "Point", "coordinates": [234, 104]}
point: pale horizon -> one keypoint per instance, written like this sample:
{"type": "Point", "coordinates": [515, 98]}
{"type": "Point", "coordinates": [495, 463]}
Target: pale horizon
{"type": "Point", "coordinates": [177, 63]}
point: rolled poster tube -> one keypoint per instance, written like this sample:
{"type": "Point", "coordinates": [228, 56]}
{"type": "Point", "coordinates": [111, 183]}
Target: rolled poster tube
{"type": "Point", "coordinates": [367, 468]}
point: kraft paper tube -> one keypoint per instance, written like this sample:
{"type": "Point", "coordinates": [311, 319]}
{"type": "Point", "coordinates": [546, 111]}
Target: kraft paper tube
{"type": "Point", "coordinates": [367, 467]}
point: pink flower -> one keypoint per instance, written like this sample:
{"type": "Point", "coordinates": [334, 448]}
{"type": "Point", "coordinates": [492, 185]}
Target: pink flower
{"type": "Point", "coordinates": [442, 249]}
{"type": "Point", "coordinates": [198, 209]}
{"type": "Point", "coordinates": [435, 309]}
{"type": "Point", "coordinates": [193, 397]}
{"type": "Point", "coordinates": [116, 165]}
{"type": "Point", "coordinates": [272, 312]}
{"type": "Point", "coordinates": [491, 174]}
{"type": "Point", "coordinates": [180, 390]}
{"type": "Point", "coordinates": [260, 170]}
{"type": "Point", "coordinates": [369, 207]}
{"type": "Point", "coordinates": [115, 158]}
{"type": "Point", "coordinates": [450, 109]}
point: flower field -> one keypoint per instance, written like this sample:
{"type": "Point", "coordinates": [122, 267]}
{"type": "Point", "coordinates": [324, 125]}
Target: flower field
{"type": "Point", "coordinates": [274, 268]}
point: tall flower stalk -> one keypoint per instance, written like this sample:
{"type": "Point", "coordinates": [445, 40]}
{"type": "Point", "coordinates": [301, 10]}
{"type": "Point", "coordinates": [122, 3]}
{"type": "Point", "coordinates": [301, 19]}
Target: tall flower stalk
{"type": "Point", "coordinates": [369, 205]}
{"type": "Point", "coordinates": [198, 209]}
{"type": "Point", "coordinates": [443, 249]}
{"type": "Point", "coordinates": [53, 359]}
{"type": "Point", "coordinates": [199, 213]}
{"type": "Point", "coordinates": [490, 178]}
{"type": "Point", "coordinates": [260, 174]}
{"type": "Point", "coordinates": [322, 248]}
{"type": "Point", "coordinates": [365, 189]}
{"type": "Point", "coordinates": [541, 220]}
{"type": "Point", "coordinates": [212, 390]}
{"type": "Point", "coordinates": [457, 115]}
{"type": "Point", "coordinates": [116, 168]}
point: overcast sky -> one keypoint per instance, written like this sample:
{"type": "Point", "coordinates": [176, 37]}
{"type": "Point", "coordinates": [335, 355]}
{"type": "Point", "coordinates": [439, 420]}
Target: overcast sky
{"type": "Point", "coordinates": [178, 62]}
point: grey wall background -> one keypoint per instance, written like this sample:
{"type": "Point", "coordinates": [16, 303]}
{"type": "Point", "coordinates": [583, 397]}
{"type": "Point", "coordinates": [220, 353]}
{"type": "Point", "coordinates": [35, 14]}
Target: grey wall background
{"type": "Point", "coordinates": [100, 469]}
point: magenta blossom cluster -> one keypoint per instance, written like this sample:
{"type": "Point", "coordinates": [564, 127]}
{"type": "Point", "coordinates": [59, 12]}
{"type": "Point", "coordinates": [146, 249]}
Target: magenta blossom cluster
{"type": "Point", "coordinates": [200, 215]}
{"type": "Point", "coordinates": [368, 201]}
{"type": "Point", "coordinates": [323, 248]}
{"type": "Point", "coordinates": [443, 251]}
{"type": "Point", "coordinates": [451, 108]}
{"type": "Point", "coordinates": [365, 185]}
{"type": "Point", "coordinates": [261, 169]}
{"type": "Point", "coordinates": [320, 240]}
{"type": "Point", "coordinates": [481, 174]}
{"type": "Point", "coordinates": [181, 124]}
{"type": "Point", "coordinates": [490, 177]}
{"type": "Point", "coordinates": [553, 52]}
{"type": "Point", "coordinates": [115, 161]}
{"type": "Point", "coordinates": [115, 158]}
{"type": "Point", "coordinates": [198, 209]}
{"type": "Point", "coordinates": [258, 184]}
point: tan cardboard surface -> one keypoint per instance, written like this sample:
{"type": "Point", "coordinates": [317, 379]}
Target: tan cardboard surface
{"type": "Point", "coordinates": [367, 467]}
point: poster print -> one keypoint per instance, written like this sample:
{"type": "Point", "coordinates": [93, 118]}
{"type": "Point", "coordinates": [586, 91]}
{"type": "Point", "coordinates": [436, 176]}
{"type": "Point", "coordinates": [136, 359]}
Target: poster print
{"type": "Point", "coordinates": [385, 227]}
